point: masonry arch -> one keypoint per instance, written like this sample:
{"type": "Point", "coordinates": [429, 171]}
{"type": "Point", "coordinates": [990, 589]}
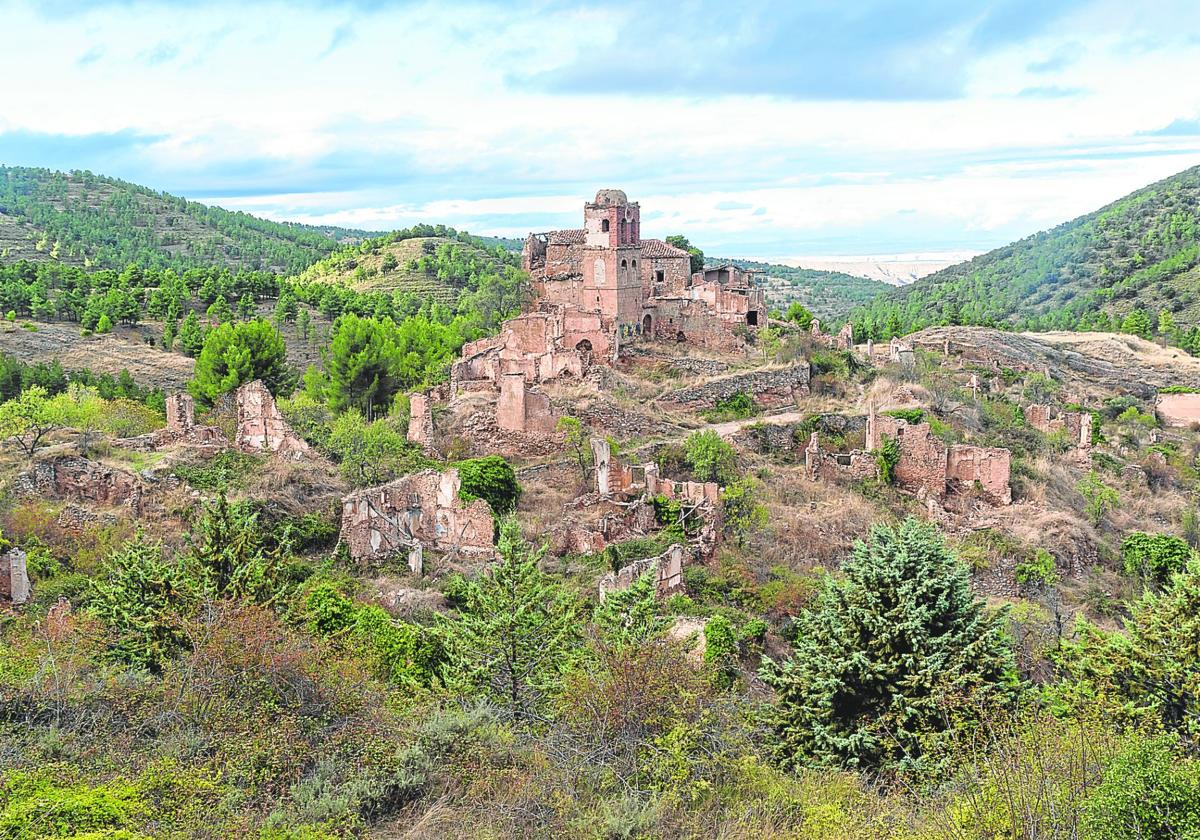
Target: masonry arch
{"type": "Point", "coordinates": [752, 318]}
{"type": "Point", "coordinates": [647, 323]}
{"type": "Point", "coordinates": [604, 225]}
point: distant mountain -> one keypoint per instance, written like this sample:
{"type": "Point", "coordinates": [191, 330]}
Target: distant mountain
{"type": "Point", "coordinates": [1141, 252]}
{"type": "Point", "coordinates": [827, 294]}
{"type": "Point", "coordinates": [84, 219]}
{"type": "Point", "coordinates": [899, 270]}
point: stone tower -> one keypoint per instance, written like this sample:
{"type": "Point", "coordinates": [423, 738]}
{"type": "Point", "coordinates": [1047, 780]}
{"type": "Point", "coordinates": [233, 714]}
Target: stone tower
{"type": "Point", "coordinates": [611, 254]}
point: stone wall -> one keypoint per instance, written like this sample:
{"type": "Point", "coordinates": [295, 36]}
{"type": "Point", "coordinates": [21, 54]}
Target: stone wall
{"type": "Point", "coordinates": [770, 388]}
{"type": "Point", "coordinates": [520, 409]}
{"type": "Point", "coordinates": [260, 426]}
{"type": "Point", "coordinates": [181, 429]}
{"type": "Point", "coordinates": [79, 479]}
{"type": "Point", "coordinates": [855, 465]}
{"type": "Point", "coordinates": [423, 509]}
{"type": "Point", "coordinates": [988, 468]}
{"type": "Point", "coordinates": [14, 577]}
{"type": "Point", "coordinates": [1076, 424]}
{"type": "Point", "coordinates": [1178, 410]}
{"type": "Point", "coordinates": [420, 420]}
{"type": "Point", "coordinates": [668, 569]}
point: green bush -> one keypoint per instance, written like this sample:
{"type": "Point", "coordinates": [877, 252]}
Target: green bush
{"type": "Point", "coordinates": [1154, 556]}
{"type": "Point", "coordinates": [1148, 791]}
{"type": "Point", "coordinates": [33, 805]}
{"type": "Point", "coordinates": [492, 479]}
{"type": "Point", "coordinates": [1040, 570]}
{"type": "Point", "coordinates": [711, 457]}
{"type": "Point", "coordinates": [887, 458]}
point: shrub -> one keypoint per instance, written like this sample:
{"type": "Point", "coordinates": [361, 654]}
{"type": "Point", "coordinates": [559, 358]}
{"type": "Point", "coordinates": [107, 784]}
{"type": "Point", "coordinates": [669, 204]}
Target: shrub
{"type": "Point", "coordinates": [887, 458]}
{"type": "Point", "coordinates": [1154, 556]}
{"type": "Point", "coordinates": [720, 649]}
{"type": "Point", "coordinates": [492, 479]}
{"type": "Point", "coordinates": [1148, 790]}
{"type": "Point", "coordinates": [710, 457]}
{"type": "Point", "coordinates": [1039, 571]}
{"type": "Point", "coordinates": [1098, 497]}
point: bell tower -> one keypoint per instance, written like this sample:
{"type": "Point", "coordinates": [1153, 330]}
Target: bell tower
{"type": "Point", "coordinates": [612, 253]}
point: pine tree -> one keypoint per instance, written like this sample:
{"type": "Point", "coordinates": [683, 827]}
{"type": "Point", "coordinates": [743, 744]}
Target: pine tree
{"type": "Point", "coordinates": [245, 307]}
{"type": "Point", "coordinates": [1137, 323]}
{"type": "Point", "coordinates": [191, 335]}
{"type": "Point", "coordinates": [235, 354]}
{"type": "Point", "coordinates": [887, 657]}
{"type": "Point", "coordinates": [629, 617]}
{"type": "Point", "coordinates": [516, 634]}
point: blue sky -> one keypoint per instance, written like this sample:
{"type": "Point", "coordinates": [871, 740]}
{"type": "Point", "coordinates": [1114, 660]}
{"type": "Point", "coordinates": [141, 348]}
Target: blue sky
{"type": "Point", "coordinates": [768, 129]}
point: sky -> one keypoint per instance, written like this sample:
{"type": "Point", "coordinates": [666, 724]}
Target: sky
{"type": "Point", "coordinates": [764, 129]}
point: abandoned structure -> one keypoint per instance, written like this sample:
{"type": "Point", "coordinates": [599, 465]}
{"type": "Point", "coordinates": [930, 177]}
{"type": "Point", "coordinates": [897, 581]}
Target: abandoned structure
{"type": "Point", "coordinates": [1076, 424]}
{"type": "Point", "coordinates": [14, 577]}
{"type": "Point", "coordinates": [81, 480]}
{"type": "Point", "coordinates": [419, 512]}
{"type": "Point", "coordinates": [668, 569]}
{"type": "Point", "coordinates": [260, 426]}
{"type": "Point", "coordinates": [521, 409]}
{"type": "Point", "coordinates": [926, 465]}
{"type": "Point", "coordinates": [844, 340]}
{"type": "Point", "coordinates": [181, 429]}
{"type": "Point", "coordinates": [1178, 410]}
{"type": "Point", "coordinates": [638, 287]}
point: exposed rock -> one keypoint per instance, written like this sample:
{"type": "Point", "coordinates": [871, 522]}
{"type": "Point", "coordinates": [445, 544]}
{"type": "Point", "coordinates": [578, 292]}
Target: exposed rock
{"type": "Point", "coordinates": [771, 387]}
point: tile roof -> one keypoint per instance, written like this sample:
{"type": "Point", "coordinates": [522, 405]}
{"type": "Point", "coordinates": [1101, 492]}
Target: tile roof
{"type": "Point", "coordinates": [658, 248]}
{"type": "Point", "coordinates": [566, 237]}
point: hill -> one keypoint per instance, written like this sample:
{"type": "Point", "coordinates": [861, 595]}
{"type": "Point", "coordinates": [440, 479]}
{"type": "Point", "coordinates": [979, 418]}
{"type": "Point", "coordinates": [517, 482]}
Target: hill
{"type": "Point", "coordinates": [827, 294]}
{"type": "Point", "coordinates": [89, 220]}
{"type": "Point", "coordinates": [427, 261]}
{"type": "Point", "coordinates": [1140, 252]}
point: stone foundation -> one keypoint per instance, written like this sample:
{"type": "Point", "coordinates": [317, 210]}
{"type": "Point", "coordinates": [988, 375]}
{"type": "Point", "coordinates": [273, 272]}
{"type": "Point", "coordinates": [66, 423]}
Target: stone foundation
{"type": "Point", "coordinates": [416, 512]}
{"type": "Point", "coordinates": [771, 388]}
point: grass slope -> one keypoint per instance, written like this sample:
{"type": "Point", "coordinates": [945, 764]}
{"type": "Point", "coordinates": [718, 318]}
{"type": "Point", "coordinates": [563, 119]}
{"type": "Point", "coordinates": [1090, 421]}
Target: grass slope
{"type": "Point", "coordinates": [827, 294]}
{"type": "Point", "coordinates": [1141, 251]}
{"type": "Point", "coordinates": [90, 220]}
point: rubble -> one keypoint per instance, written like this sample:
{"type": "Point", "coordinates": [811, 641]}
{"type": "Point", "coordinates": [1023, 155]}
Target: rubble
{"type": "Point", "coordinates": [419, 512]}
{"type": "Point", "coordinates": [15, 587]}
{"type": "Point", "coordinates": [181, 429]}
{"type": "Point", "coordinates": [1076, 424]}
{"type": "Point", "coordinates": [79, 479]}
{"type": "Point", "coordinates": [771, 387]}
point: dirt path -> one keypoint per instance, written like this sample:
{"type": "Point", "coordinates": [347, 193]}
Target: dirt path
{"type": "Point", "coordinates": [732, 427]}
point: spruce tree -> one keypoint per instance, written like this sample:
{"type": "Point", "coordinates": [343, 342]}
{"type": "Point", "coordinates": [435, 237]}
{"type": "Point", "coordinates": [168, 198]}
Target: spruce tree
{"type": "Point", "coordinates": [516, 634]}
{"type": "Point", "coordinates": [889, 656]}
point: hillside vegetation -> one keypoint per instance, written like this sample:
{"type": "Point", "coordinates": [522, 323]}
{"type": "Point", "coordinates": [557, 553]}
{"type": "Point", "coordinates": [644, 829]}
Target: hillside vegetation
{"type": "Point", "coordinates": [92, 221]}
{"type": "Point", "coordinates": [827, 294]}
{"type": "Point", "coordinates": [431, 262]}
{"type": "Point", "coordinates": [1137, 255]}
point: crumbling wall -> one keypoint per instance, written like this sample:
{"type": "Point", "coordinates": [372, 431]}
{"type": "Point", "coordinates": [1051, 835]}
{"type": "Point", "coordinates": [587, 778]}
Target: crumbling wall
{"type": "Point", "coordinates": [771, 388]}
{"type": "Point", "coordinates": [668, 569]}
{"type": "Point", "coordinates": [79, 479]}
{"type": "Point", "coordinates": [1178, 411]}
{"type": "Point", "coordinates": [1076, 424]}
{"type": "Point", "coordinates": [420, 419]}
{"type": "Point", "coordinates": [181, 428]}
{"type": "Point", "coordinates": [420, 509]}
{"type": "Point", "coordinates": [855, 465]}
{"type": "Point", "coordinates": [14, 577]}
{"type": "Point", "coordinates": [988, 467]}
{"type": "Point", "coordinates": [520, 409]}
{"type": "Point", "coordinates": [260, 426]}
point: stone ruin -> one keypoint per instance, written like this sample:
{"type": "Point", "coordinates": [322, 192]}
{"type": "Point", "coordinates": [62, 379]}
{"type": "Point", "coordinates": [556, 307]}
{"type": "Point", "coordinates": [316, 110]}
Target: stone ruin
{"type": "Point", "coordinates": [521, 409]}
{"type": "Point", "coordinates": [668, 569]}
{"type": "Point", "coordinates": [261, 427]}
{"type": "Point", "coordinates": [927, 467]}
{"type": "Point", "coordinates": [79, 479]}
{"type": "Point", "coordinates": [1076, 424]}
{"type": "Point", "coordinates": [616, 479]}
{"type": "Point", "coordinates": [844, 340]}
{"type": "Point", "coordinates": [419, 512]}
{"type": "Point", "coordinates": [420, 420]}
{"type": "Point", "coordinates": [181, 429]}
{"type": "Point", "coordinates": [15, 587]}
{"type": "Point", "coordinates": [770, 388]}
{"type": "Point", "coordinates": [1178, 411]}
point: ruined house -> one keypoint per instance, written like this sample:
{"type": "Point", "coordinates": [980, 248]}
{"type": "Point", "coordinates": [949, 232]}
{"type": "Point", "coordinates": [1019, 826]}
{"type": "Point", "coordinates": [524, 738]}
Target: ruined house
{"type": "Point", "coordinates": [1076, 424]}
{"type": "Point", "coordinates": [667, 568]}
{"type": "Point", "coordinates": [14, 577]}
{"type": "Point", "coordinates": [521, 409]}
{"type": "Point", "coordinates": [420, 420]}
{"type": "Point", "coordinates": [844, 340]}
{"type": "Point", "coordinates": [181, 429]}
{"type": "Point", "coordinates": [81, 480]}
{"type": "Point", "coordinates": [419, 512]}
{"type": "Point", "coordinates": [927, 466]}
{"type": "Point", "coordinates": [261, 427]}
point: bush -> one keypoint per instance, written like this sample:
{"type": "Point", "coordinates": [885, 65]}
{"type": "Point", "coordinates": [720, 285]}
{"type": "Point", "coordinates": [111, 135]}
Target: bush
{"type": "Point", "coordinates": [1154, 556]}
{"type": "Point", "coordinates": [1038, 571]}
{"type": "Point", "coordinates": [711, 457]}
{"type": "Point", "coordinates": [1147, 791]}
{"type": "Point", "coordinates": [492, 479]}
{"type": "Point", "coordinates": [887, 458]}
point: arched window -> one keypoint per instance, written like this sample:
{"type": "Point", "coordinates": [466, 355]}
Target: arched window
{"type": "Point", "coordinates": [635, 263]}
{"type": "Point", "coordinates": [646, 325]}
{"type": "Point", "coordinates": [624, 264]}
{"type": "Point", "coordinates": [623, 239]}
{"type": "Point", "coordinates": [604, 225]}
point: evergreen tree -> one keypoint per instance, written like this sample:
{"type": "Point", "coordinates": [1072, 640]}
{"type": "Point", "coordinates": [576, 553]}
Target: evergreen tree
{"type": "Point", "coordinates": [363, 365]}
{"type": "Point", "coordinates": [517, 632]}
{"type": "Point", "coordinates": [629, 617]}
{"type": "Point", "coordinates": [220, 312]}
{"type": "Point", "coordinates": [191, 335]}
{"type": "Point", "coordinates": [799, 315]}
{"type": "Point", "coordinates": [235, 354]}
{"type": "Point", "coordinates": [887, 658]}
{"type": "Point", "coordinates": [245, 308]}
{"type": "Point", "coordinates": [1137, 323]}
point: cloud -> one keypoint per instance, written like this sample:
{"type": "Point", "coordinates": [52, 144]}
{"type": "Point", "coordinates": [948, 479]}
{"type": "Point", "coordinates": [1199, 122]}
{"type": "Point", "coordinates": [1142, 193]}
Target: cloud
{"type": "Point", "coordinates": [1050, 92]}
{"type": "Point", "coordinates": [870, 50]}
{"type": "Point", "coordinates": [342, 36]}
{"type": "Point", "coordinates": [160, 53]}
{"type": "Point", "coordinates": [90, 57]}
{"type": "Point", "coordinates": [1059, 59]}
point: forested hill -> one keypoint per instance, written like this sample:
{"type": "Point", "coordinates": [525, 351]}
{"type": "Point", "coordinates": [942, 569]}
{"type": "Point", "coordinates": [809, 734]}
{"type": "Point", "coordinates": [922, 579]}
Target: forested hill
{"type": "Point", "coordinates": [1133, 259]}
{"type": "Point", "coordinates": [827, 294]}
{"type": "Point", "coordinates": [89, 220]}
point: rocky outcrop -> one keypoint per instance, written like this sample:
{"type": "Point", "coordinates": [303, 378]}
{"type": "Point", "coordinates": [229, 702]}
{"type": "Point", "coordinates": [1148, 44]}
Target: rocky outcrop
{"type": "Point", "coordinates": [770, 388]}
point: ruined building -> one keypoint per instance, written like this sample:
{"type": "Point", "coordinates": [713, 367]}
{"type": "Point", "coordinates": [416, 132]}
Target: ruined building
{"type": "Point", "coordinates": [14, 577]}
{"type": "Point", "coordinates": [928, 467]}
{"type": "Point", "coordinates": [638, 287]}
{"type": "Point", "coordinates": [410, 515]}
{"type": "Point", "coordinates": [1076, 424]}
